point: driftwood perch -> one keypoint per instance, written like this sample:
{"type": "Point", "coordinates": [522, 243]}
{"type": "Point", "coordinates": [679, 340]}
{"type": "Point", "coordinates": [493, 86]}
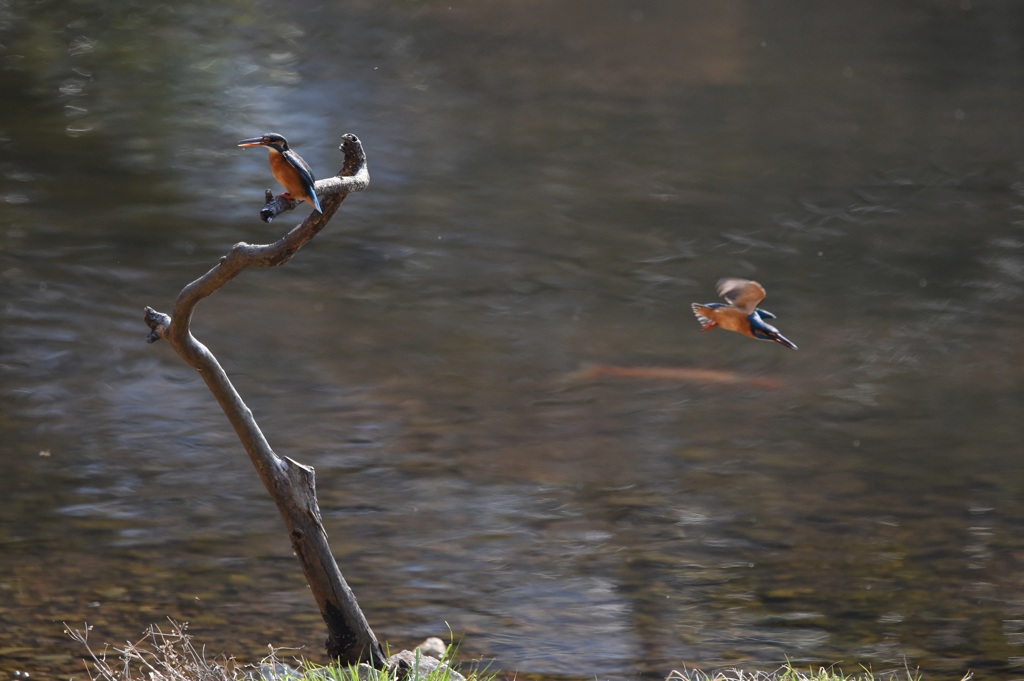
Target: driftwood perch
{"type": "Point", "coordinates": [290, 484]}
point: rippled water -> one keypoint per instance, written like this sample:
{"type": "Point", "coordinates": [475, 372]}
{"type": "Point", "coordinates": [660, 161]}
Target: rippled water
{"type": "Point", "coordinates": [552, 185]}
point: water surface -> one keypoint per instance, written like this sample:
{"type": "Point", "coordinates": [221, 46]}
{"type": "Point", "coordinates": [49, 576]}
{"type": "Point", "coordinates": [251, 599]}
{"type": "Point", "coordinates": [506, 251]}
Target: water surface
{"type": "Point", "coordinates": [552, 186]}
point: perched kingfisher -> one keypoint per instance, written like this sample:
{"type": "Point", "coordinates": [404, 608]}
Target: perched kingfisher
{"type": "Point", "coordinates": [288, 168]}
{"type": "Point", "coordinates": [742, 314]}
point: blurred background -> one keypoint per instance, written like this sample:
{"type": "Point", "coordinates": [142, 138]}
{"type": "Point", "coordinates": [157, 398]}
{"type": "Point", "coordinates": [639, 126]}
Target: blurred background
{"type": "Point", "coordinates": [552, 185]}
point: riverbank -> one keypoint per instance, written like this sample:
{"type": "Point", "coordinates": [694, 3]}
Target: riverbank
{"type": "Point", "coordinates": [173, 655]}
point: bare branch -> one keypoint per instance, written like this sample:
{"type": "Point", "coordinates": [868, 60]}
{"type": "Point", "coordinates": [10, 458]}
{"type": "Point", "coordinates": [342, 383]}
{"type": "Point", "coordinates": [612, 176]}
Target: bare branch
{"type": "Point", "coordinates": [291, 484]}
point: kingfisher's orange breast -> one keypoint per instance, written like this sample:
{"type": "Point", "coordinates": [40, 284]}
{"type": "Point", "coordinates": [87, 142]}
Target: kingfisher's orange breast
{"type": "Point", "coordinates": [730, 319]}
{"type": "Point", "coordinates": [286, 174]}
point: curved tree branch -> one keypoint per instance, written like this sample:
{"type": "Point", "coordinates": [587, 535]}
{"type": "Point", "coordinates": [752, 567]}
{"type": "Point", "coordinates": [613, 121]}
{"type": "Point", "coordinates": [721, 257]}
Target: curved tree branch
{"type": "Point", "coordinates": [291, 484]}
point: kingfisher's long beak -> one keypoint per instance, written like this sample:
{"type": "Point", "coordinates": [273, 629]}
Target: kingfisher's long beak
{"type": "Point", "coordinates": [782, 340]}
{"type": "Point", "coordinates": [252, 142]}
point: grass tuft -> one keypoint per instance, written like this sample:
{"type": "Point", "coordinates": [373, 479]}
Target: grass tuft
{"type": "Point", "coordinates": [790, 673]}
{"type": "Point", "coordinates": [172, 656]}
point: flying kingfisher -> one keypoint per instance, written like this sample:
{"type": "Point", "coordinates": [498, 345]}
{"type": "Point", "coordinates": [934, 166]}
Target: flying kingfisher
{"type": "Point", "coordinates": [288, 168]}
{"type": "Point", "coordinates": [742, 314]}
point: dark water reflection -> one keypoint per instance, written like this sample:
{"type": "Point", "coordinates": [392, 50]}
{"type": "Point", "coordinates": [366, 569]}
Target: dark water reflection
{"type": "Point", "coordinates": [553, 184]}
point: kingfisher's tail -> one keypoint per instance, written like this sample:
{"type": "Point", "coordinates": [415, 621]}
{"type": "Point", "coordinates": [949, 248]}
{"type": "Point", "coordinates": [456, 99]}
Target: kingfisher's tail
{"type": "Point", "coordinates": [703, 314]}
{"type": "Point", "coordinates": [315, 201]}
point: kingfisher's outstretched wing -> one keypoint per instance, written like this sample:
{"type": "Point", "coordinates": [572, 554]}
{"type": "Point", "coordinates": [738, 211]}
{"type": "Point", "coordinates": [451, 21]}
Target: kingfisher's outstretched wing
{"type": "Point", "coordinates": [741, 293]}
